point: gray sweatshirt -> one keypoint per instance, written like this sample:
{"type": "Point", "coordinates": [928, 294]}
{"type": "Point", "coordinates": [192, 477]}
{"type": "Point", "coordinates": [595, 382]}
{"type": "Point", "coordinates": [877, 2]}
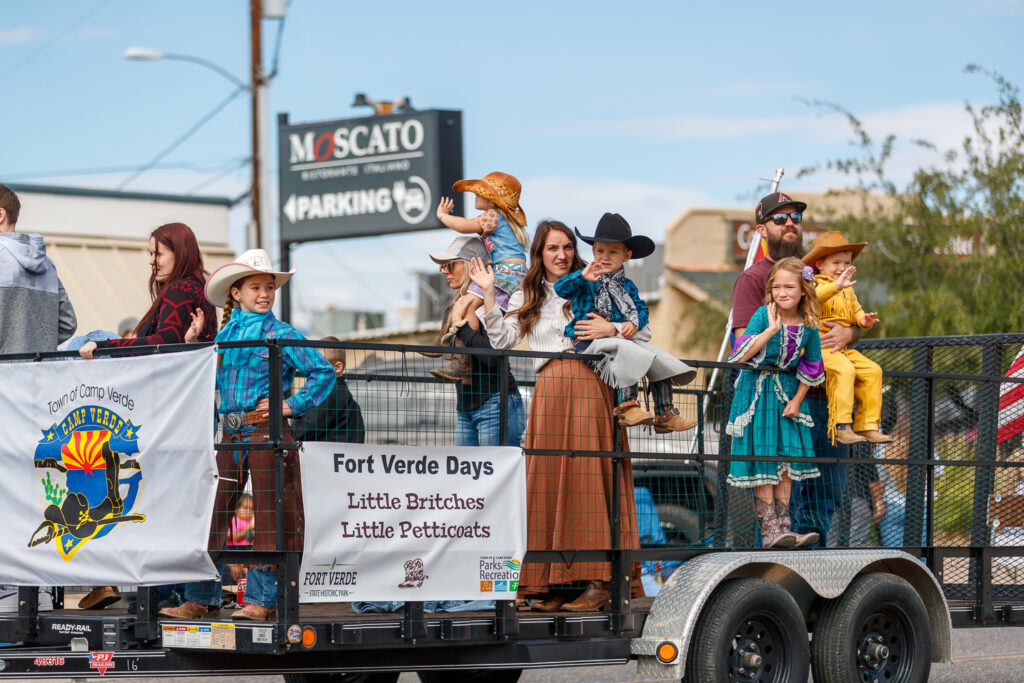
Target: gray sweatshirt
{"type": "Point", "coordinates": [35, 313]}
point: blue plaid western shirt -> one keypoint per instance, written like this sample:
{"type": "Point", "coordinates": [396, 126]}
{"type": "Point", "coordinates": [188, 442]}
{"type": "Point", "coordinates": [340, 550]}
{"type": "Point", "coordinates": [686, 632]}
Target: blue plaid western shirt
{"type": "Point", "coordinates": [242, 387]}
{"type": "Point", "coordinates": [583, 294]}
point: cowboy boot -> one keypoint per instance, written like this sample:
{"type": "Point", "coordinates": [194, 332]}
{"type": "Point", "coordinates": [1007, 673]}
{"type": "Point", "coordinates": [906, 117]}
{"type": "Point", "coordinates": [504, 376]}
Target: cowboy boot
{"type": "Point", "coordinates": [785, 527]}
{"type": "Point", "coordinates": [772, 535]}
{"type": "Point", "coordinates": [552, 602]}
{"type": "Point", "coordinates": [845, 435]}
{"type": "Point", "coordinates": [875, 436]}
{"type": "Point", "coordinates": [189, 610]}
{"type": "Point", "coordinates": [672, 421]}
{"type": "Point", "coordinates": [631, 414]}
{"type": "Point", "coordinates": [99, 597]}
{"type": "Point", "coordinates": [597, 595]}
{"type": "Point", "coordinates": [458, 370]}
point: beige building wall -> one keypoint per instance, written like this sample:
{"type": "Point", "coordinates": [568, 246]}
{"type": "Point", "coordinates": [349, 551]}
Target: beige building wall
{"type": "Point", "coordinates": [99, 242]}
{"type": "Point", "coordinates": [701, 262]}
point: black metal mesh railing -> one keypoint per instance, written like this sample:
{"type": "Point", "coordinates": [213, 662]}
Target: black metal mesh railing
{"type": "Point", "coordinates": [605, 501]}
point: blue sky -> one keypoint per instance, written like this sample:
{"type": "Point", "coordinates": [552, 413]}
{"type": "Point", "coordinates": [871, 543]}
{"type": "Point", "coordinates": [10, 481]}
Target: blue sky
{"type": "Point", "coordinates": [643, 109]}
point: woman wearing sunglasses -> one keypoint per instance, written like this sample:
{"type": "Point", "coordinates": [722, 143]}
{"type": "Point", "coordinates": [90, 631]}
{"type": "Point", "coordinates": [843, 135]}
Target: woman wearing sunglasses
{"type": "Point", "coordinates": [478, 384]}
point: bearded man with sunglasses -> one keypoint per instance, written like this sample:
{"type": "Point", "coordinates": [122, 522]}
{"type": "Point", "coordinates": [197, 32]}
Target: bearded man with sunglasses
{"type": "Point", "coordinates": [814, 501]}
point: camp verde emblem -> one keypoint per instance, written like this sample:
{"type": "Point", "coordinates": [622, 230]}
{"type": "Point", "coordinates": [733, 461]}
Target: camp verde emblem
{"type": "Point", "coordinates": [90, 478]}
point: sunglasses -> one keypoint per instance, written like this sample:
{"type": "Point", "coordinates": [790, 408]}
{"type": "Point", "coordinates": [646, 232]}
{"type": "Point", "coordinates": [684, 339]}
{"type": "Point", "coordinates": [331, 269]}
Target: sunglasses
{"type": "Point", "coordinates": [446, 267]}
{"type": "Point", "coordinates": [780, 218]}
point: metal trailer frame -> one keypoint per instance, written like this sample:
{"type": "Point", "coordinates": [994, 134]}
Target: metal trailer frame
{"type": "Point", "coordinates": [129, 643]}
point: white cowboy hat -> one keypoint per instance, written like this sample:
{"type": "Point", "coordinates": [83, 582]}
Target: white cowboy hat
{"type": "Point", "coordinates": [218, 286]}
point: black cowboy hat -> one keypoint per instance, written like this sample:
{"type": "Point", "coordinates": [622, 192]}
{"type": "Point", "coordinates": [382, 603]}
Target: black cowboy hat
{"type": "Point", "coordinates": [613, 228]}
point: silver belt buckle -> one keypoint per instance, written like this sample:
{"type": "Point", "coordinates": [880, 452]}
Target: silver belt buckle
{"type": "Point", "coordinates": [233, 421]}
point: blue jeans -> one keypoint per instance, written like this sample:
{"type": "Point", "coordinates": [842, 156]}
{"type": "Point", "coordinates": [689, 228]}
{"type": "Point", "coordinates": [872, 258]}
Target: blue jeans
{"type": "Point", "coordinates": [208, 592]}
{"type": "Point", "coordinates": [261, 587]}
{"type": "Point", "coordinates": [814, 501]}
{"type": "Point", "coordinates": [480, 427]}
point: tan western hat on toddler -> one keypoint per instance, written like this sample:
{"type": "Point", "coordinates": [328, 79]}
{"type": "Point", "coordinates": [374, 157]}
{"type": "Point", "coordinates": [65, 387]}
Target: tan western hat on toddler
{"type": "Point", "coordinates": [252, 262]}
{"type": "Point", "coordinates": [500, 188]}
{"type": "Point", "coordinates": [829, 243]}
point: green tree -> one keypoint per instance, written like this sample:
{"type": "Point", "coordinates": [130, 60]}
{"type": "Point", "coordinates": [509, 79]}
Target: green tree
{"type": "Point", "coordinates": [947, 244]}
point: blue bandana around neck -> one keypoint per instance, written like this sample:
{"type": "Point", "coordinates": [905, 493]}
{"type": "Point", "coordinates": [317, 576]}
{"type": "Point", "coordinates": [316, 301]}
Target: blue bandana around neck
{"type": "Point", "coordinates": [242, 326]}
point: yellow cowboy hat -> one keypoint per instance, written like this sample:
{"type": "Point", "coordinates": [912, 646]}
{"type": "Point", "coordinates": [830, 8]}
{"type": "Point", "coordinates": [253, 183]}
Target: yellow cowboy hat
{"type": "Point", "coordinates": [500, 188]}
{"type": "Point", "coordinates": [829, 243]}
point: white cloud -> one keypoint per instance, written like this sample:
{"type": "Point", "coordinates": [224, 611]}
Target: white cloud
{"type": "Point", "coordinates": [18, 36]}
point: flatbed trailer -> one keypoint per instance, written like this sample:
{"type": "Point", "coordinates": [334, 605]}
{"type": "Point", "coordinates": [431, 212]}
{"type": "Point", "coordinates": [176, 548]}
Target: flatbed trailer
{"type": "Point", "coordinates": [729, 611]}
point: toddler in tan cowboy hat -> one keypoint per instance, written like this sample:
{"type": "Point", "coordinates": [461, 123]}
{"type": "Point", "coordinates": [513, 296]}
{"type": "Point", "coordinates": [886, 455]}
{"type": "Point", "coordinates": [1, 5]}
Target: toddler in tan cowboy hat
{"type": "Point", "coordinates": [502, 228]}
{"type": "Point", "coordinates": [849, 375]}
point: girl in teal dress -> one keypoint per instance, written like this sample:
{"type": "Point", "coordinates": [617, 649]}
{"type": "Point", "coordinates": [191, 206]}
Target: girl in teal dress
{"type": "Point", "coordinates": [767, 417]}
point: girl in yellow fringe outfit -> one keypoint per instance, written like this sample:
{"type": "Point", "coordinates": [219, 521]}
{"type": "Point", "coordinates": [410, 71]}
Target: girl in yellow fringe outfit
{"type": "Point", "coordinates": [849, 375]}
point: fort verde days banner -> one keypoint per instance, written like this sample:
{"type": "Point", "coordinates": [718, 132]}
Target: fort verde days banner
{"type": "Point", "coordinates": [108, 470]}
{"type": "Point", "coordinates": [412, 523]}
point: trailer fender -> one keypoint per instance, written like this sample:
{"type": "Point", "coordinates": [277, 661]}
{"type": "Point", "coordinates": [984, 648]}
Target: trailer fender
{"type": "Point", "coordinates": [805, 574]}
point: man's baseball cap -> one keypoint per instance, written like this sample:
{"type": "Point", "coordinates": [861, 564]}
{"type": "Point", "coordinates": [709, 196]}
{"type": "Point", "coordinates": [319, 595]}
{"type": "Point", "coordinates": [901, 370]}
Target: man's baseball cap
{"type": "Point", "coordinates": [462, 248]}
{"type": "Point", "coordinates": [771, 204]}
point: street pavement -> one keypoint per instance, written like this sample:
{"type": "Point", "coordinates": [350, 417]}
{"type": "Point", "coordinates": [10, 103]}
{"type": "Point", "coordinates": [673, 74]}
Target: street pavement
{"type": "Point", "coordinates": [993, 655]}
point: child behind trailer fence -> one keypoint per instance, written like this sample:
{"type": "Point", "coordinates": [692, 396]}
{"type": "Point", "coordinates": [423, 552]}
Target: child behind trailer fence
{"type": "Point", "coordinates": [767, 417]}
{"type": "Point", "coordinates": [602, 288]}
{"type": "Point", "coordinates": [248, 288]}
{"type": "Point", "coordinates": [502, 229]}
{"type": "Point", "coordinates": [850, 375]}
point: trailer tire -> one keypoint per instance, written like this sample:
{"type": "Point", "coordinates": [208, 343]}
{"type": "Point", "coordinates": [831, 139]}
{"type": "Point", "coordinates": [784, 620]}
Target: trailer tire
{"type": "Point", "coordinates": [346, 677]}
{"type": "Point", "coordinates": [749, 624]}
{"type": "Point", "coordinates": [876, 611]}
{"type": "Point", "coordinates": [470, 675]}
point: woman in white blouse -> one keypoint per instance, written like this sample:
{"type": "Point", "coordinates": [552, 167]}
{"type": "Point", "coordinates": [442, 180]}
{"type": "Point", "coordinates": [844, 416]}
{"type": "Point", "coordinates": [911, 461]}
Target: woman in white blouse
{"type": "Point", "coordinates": [569, 500]}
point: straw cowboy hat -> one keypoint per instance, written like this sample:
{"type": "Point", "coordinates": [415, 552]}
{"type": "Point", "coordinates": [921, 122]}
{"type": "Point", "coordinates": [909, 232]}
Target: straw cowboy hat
{"type": "Point", "coordinates": [613, 228]}
{"type": "Point", "coordinates": [252, 262]}
{"type": "Point", "coordinates": [829, 243]}
{"type": "Point", "coordinates": [500, 188]}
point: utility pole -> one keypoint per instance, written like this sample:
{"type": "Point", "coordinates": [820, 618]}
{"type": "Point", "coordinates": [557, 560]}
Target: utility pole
{"type": "Point", "coordinates": [260, 226]}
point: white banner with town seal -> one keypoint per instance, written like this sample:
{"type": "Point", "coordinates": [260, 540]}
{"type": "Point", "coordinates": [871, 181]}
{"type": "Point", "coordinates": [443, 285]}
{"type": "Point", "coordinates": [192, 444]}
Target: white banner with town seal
{"type": "Point", "coordinates": [412, 523]}
{"type": "Point", "coordinates": [108, 470]}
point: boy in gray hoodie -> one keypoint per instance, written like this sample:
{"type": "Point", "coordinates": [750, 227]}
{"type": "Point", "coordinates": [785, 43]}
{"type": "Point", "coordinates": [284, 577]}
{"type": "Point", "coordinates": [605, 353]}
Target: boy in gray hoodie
{"type": "Point", "coordinates": [35, 313]}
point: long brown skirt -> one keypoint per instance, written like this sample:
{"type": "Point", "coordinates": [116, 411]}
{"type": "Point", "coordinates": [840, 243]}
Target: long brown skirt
{"type": "Point", "coordinates": [569, 500]}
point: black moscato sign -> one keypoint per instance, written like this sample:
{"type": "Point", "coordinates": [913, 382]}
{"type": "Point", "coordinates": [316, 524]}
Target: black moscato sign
{"type": "Point", "coordinates": [367, 176]}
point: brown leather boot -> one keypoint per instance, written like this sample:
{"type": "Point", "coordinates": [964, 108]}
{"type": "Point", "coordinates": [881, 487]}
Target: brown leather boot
{"type": "Point", "coordinates": [845, 435]}
{"type": "Point", "coordinates": [552, 602]}
{"type": "Point", "coordinates": [672, 421]}
{"type": "Point", "coordinates": [597, 595]}
{"type": "Point", "coordinates": [99, 597]}
{"type": "Point", "coordinates": [189, 610]}
{"type": "Point", "coordinates": [875, 436]}
{"type": "Point", "coordinates": [457, 371]}
{"type": "Point", "coordinates": [255, 613]}
{"type": "Point", "coordinates": [631, 414]}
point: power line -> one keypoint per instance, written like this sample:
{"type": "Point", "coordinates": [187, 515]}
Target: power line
{"type": "Point", "coordinates": [53, 40]}
{"type": "Point", "coordinates": [277, 43]}
{"type": "Point", "coordinates": [219, 176]}
{"type": "Point", "coordinates": [189, 133]}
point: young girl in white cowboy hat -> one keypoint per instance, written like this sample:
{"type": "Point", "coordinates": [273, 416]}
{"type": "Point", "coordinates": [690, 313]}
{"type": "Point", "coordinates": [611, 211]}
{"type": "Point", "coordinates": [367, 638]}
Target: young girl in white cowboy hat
{"type": "Point", "coordinates": [246, 288]}
{"type": "Point", "coordinates": [502, 228]}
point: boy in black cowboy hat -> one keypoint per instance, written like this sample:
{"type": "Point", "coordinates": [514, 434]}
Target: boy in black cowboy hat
{"type": "Point", "coordinates": [603, 288]}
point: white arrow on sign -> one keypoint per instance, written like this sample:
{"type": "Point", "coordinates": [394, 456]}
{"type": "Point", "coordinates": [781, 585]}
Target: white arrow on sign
{"type": "Point", "coordinates": [289, 208]}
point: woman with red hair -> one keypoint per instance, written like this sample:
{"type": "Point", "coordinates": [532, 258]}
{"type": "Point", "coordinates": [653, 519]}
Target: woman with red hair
{"type": "Point", "coordinates": [176, 287]}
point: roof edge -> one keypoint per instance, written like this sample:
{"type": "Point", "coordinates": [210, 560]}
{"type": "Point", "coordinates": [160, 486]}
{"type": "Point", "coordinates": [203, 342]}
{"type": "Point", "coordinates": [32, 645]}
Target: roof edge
{"type": "Point", "coordinates": [118, 194]}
